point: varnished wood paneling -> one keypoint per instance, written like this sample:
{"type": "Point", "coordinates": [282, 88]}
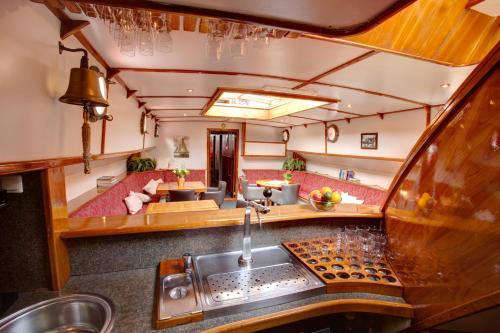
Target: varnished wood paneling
{"type": "Point", "coordinates": [316, 310]}
{"type": "Point", "coordinates": [444, 205]}
{"type": "Point", "coordinates": [439, 30]}
{"type": "Point", "coordinates": [77, 227]}
{"type": "Point", "coordinates": [54, 190]}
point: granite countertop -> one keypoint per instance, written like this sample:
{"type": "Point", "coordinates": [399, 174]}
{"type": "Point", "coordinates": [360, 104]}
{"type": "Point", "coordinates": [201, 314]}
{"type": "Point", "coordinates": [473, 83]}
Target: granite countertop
{"type": "Point", "coordinates": [133, 294]}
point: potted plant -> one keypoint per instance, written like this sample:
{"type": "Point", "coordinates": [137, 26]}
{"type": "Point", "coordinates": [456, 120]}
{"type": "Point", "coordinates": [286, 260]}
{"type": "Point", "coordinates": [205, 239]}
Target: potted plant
{"type": "Point", "coordinates": [293, 164]}
{"type": "Point", "coordinates": [181, 174]}
{"type": "Point", "coordinates": [137, 164]}
{"type": "Point", "coordinates": [288, 176]}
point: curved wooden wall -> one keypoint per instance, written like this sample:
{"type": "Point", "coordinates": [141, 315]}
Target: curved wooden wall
{"type": "Point", "coordinates": [442, 216]}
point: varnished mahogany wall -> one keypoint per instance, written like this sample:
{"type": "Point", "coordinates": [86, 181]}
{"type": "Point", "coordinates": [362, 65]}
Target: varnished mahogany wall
{"type": "Point", "coordinates": [446, 249]}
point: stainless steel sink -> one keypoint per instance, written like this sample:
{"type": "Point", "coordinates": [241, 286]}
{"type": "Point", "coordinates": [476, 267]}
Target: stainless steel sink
{"type": "Point", "coordinates": [83, 313]}
{"type": "Point", "coordinates": [178, 296]}
{"type": "Point", "coordinates": [273, 277]}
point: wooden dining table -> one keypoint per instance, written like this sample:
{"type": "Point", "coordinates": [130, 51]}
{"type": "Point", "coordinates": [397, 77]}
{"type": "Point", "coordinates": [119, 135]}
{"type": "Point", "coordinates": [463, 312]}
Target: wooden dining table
{"type": "Point", "coordinates": [164, 188]}
{"type": "Point", "coordinates": [271, 183]}
{"type": "Point", "coordinates": [181, 206]}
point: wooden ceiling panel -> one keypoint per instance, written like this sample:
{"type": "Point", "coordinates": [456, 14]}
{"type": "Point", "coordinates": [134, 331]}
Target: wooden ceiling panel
{"type": "Point", "coordinates": [322, 114]}
{"type": "Point", "coordinates": [402, 76]}
{"type": "Point", "coordinates": [176, 113]}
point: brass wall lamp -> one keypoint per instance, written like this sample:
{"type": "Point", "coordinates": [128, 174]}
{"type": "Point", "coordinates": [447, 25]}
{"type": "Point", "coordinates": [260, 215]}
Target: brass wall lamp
{"type": "Point", "coordinates": [88, 88]}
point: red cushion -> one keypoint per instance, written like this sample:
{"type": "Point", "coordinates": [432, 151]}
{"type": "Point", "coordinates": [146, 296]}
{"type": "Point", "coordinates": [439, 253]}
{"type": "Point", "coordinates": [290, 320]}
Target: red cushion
{"type": "Point", "coordinates": [109, 203]}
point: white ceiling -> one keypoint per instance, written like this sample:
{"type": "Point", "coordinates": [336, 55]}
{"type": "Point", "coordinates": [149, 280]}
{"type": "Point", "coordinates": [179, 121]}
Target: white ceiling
{"type": "Point", "coordinates": [298, 58]}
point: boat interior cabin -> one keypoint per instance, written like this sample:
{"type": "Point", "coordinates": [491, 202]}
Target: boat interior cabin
{"type": "Point", "coordinates": [249, 166]}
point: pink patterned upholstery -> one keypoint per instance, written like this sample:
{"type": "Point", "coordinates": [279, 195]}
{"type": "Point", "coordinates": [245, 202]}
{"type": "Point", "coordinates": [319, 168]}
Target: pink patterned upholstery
{"type": "Point", "coordinates": [111, 203]}
{"type": "Point", "coordinates": [310, 181]}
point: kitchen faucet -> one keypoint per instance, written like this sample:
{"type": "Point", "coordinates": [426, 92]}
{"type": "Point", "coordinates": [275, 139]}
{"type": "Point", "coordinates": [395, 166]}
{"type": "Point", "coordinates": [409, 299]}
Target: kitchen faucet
{"type": "Point", "coordinates": [246, 257]}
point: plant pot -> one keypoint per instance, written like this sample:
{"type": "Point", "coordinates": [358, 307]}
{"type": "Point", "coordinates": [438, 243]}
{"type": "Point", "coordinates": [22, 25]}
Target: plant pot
{"type": "Point", "coordinates": [180, 182]}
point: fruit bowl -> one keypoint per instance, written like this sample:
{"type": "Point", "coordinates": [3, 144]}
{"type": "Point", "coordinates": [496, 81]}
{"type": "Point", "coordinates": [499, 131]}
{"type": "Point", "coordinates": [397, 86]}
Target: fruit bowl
{"type": "Point", "coordinates": [323, 206]}
{"type": "Point", "coordinates": [325, 199]}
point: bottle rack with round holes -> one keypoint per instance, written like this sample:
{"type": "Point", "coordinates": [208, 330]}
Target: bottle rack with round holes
{"type": "Point", "coordinates": [343, 273]}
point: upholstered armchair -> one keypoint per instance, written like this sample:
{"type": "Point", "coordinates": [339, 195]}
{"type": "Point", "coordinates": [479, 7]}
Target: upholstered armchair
{"type": "Point", "coordinates": [289, 194]}
{"type": "Point", "coordinates": [251, 192]}
{"type": "Point", "coordinates": [181, 195]}
{"type": "Point", "coordinates": [216, 194]}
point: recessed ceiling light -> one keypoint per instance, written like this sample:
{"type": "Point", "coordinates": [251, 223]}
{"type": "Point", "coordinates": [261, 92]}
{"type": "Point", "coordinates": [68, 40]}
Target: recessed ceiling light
{"type": "Point", "coordinates": [349, 106]}
{"type": "Point", "coordinates": [185, 114]}
{"type": "Point", "coordinates": [189, 90]}
{"type": "Point", "coordinates": [445, 85]}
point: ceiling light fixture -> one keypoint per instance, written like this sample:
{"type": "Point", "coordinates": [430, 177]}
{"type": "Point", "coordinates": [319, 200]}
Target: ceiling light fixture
{"type": "Point", "coordinates": [349, 106]}
{"type": "Point", "coordinates": [445, 85]}
{"type": "Point", "coordinates": [260, 104]}
{"type": "Point", "coordinates": [189, 90]}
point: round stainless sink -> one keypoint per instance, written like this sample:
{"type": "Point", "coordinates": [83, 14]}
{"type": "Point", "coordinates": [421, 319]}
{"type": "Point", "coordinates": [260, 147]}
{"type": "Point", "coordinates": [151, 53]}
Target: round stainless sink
{"type": "Point", "coordinates": [72, 313]}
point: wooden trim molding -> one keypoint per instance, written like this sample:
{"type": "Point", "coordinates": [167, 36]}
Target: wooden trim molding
{"type": "Point", "coordinates": [316, 310]}
{"type": "Point", "coordinates": [378, 158]}
{"type": "Point", "coordinates": [54, 195]}
{"type": "Point", "coordinates": [270, 142]}
{"type": "Point", "coordinates": [24, 166]}
{"type": "Point", "coordinates": [337, 68]}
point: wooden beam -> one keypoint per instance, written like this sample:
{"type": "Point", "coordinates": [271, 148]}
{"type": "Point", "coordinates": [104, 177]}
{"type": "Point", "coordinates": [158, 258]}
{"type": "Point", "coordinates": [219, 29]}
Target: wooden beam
{"type": "Point", "coordinates": [203, 71]}
{"type": "Point", "coordinates": [172, 96]}
{"type": "Point", "coordinates": [339, 111]}
{"type": "Point", "coordinates": [379, 158]}
{"type": "Point", "coordinates": [472, 3]}
{"type": "Point", "coordinates": [72, 7]}
{"type": "Point", "coordinates": [178, 109]}
{"type": "Point", "coordinates": [140, 104]}
{"type": "Point", "coordinates": [337, 68]}
{"type": "Point", "coordinates": [302, 117]}
{"type": "Point", "coordinates": [70, 27]}
{"type": "Point", "coordinates": [54, 196]}
{"type": "Point", "coordinates": [130, 92]}
{"type": "Point", "coordinates": [243, 137]}
{"type": "Point", "coordinates": [427, 110]}
{"type": "Point", "coordinates": [260, 75]}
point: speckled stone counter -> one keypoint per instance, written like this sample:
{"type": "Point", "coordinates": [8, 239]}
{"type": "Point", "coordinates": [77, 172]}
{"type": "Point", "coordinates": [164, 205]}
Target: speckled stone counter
{"type": "Point", "coordinates": [133, 295]}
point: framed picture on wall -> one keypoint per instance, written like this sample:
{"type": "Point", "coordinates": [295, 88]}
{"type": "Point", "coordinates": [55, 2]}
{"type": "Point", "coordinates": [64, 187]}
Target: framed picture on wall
{"type": "Point", "coordinates": [369, 140]}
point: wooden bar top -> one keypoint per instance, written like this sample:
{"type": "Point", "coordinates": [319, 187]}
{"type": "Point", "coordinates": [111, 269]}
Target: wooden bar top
{"type": "Point", "coordinates": [77, 227]}
{"type": "Point", "coordinates": [181, 206]}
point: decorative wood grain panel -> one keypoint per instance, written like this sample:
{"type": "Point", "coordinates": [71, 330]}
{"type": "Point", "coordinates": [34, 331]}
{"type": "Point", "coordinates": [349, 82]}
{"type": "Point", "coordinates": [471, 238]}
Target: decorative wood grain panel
{"type": "Point", "coordinates": [442, 217]}
{"type": "Point", "coordinates": [440, 30]}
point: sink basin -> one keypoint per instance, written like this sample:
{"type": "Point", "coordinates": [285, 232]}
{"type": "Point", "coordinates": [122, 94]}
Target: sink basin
{"type": "Point", "coordinates": [274, 277]}
{"type": "Point", "coordinates": [178, 296]}
{"type": "Point", "coordinates": [83, 313]}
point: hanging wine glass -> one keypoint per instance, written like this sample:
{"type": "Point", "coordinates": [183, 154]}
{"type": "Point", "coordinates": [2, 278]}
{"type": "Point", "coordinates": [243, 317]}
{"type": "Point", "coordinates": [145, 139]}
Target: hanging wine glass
{"type": "Point", "coordinates": [164, 41]}
{"type": "Point", "coordinates": [145, 34]}
{"type": "Point", "coordinates": [238, 39]}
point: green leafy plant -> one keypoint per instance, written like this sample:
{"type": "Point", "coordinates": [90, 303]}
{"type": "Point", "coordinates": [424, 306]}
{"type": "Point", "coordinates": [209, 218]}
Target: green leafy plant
{"type": "Point", "coordinates": [180, 172]}
{"type": "Point", "coordinates": [293, 164]}
{"type": "Point", "coordinates": [288, 176]}
{"type": "Point", "coordinates": [137, 164]}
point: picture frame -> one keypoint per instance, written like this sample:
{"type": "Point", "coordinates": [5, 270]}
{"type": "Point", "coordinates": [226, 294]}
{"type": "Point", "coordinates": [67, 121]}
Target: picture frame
{"type": "Point", "coordinates": [369, 140]}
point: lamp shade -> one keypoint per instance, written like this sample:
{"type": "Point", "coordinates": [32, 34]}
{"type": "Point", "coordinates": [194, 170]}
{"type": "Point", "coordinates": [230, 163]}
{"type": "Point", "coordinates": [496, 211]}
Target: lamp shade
{"type": "Point", "coordinates": [84, 88]}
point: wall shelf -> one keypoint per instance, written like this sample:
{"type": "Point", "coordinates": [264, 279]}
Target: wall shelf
{"type": "Point", "coordinates": [379, 158]}
{"type": "Point", "coordinates": [24, 166]}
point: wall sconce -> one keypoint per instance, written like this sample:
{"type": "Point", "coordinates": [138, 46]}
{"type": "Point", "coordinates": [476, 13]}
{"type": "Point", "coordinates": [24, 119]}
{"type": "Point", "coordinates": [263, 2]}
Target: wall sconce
{"type": "Point", "coordinates": [87, 87]}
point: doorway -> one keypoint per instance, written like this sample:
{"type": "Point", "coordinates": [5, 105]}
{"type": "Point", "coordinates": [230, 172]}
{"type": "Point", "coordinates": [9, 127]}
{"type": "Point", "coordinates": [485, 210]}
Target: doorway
{"type": "Point", "coordinates": [222, 158]}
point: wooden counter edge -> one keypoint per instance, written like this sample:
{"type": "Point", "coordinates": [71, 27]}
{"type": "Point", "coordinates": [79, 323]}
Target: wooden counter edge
{"type": "Point", "coordinates": [315, 310]}
{"type": "Point", "coordinates": [198, 221]}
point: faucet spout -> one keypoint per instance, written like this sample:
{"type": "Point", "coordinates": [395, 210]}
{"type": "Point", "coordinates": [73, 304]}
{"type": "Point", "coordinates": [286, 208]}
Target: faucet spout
{"type": "Point", "coordinates": [246, 257]}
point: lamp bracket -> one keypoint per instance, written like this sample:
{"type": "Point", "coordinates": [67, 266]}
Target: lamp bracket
{"type": "Point", "coordinates": [84, 62]}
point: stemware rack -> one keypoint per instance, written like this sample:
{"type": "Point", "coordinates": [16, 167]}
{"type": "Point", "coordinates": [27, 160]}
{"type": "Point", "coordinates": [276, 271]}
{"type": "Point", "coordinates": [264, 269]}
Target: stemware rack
{"type": "Point", "coordinates": [342, 273]}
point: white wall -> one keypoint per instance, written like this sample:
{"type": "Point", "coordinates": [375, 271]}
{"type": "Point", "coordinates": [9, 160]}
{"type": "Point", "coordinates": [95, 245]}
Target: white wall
{"type": "Point", "coordinates": [397, 133]}
{"type": "Point", "coordinates": [310, 138]}
{"type": "Point", "coordinates": [197, 132]}
{"type": "Point", "coordinates": [33, 75]}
